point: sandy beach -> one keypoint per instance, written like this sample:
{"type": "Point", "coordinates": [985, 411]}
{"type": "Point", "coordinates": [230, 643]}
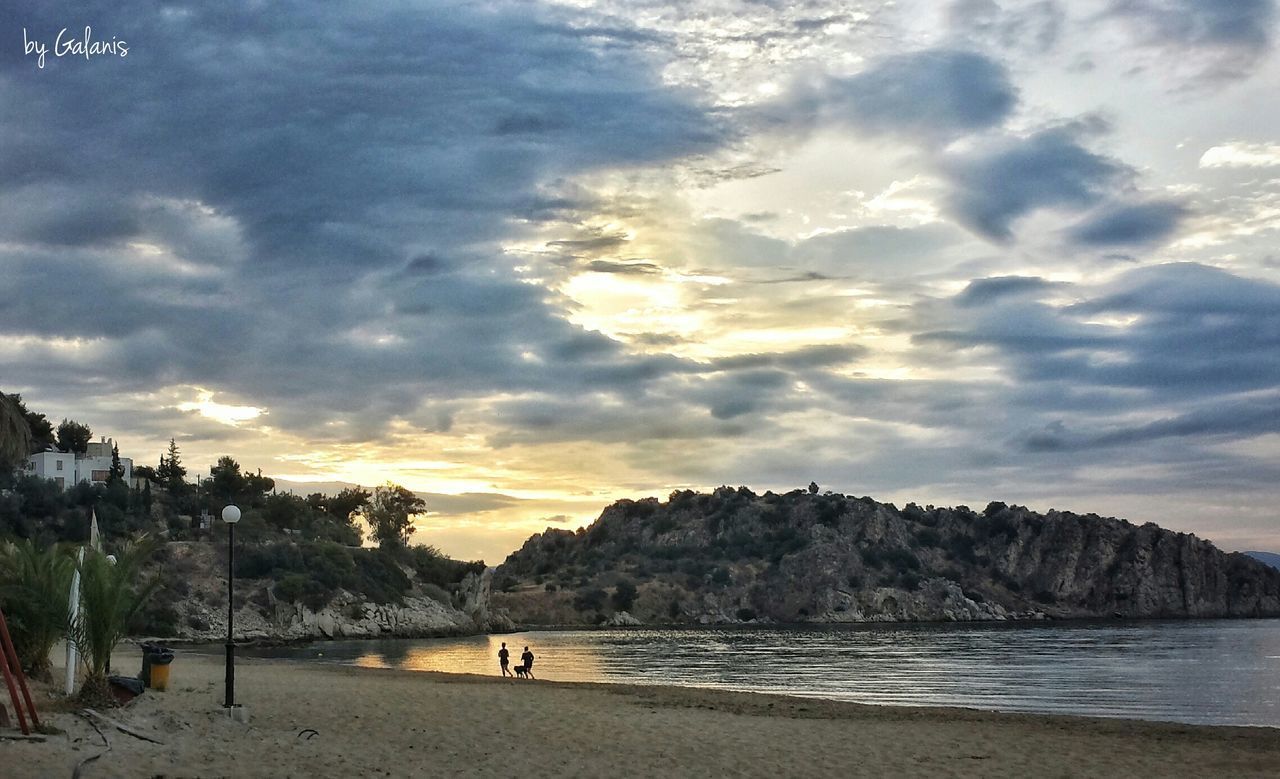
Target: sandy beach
{"type": "Point", "coordinates": [372, 722]}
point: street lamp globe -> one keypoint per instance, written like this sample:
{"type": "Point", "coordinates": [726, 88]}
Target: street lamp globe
{"type": "Point", "coordinates": [231, 515]}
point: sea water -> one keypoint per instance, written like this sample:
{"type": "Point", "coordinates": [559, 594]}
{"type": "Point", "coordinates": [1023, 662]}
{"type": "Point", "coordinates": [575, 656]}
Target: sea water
{"type": "Point", "coordinates": [1223, 672]}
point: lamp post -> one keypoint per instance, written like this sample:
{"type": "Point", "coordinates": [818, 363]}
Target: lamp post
{"type": "Point", "coordinates": [231, 515]}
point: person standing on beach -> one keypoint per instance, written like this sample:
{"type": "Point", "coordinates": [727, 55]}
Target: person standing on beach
{"type": "Point", "coordinates": [503, 658]}
{"type": "Point", "coordinates": [527, 660]}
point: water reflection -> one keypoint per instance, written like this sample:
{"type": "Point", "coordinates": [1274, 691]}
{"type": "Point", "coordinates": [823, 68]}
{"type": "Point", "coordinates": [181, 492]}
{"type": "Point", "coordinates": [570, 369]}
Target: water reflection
{"type": "Point", "coordinates": [1225, 672]}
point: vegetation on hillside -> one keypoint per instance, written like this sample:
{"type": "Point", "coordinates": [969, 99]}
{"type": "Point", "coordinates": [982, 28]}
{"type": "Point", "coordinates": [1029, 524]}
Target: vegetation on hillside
{"type": "Point", "coordinates": [306, 548]}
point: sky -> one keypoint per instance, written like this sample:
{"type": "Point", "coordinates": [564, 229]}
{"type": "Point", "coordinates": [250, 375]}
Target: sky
{"type": "Point", "coordinates": [528, 258]}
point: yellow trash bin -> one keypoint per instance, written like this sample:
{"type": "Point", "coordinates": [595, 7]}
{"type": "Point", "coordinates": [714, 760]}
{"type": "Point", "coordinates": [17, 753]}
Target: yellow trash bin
{"type": "Point", "coordinates": [159, 676]}
{"type": "Point", "coordinates": [159, 663]}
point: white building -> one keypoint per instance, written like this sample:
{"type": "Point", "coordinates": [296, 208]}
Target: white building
{"type": "Point", "coordinates": [69, 469]}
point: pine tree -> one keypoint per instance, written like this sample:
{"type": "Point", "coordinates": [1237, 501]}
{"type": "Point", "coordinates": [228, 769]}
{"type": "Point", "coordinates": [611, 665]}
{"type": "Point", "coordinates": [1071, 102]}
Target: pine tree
{"type": "Point", "coordinates": [117, 468]}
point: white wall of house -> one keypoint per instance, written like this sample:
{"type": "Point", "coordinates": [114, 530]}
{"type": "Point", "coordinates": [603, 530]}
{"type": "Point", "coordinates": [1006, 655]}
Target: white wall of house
{"type": "Point", "coordinates": [70, 469]}
{"type": "Point", "coordinates": [59, 466]}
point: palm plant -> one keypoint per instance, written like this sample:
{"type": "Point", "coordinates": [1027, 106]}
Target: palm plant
{"type": "Point", "coordinates": [110, 594]}
{"type": "Point", "coordinates": [34, 583]}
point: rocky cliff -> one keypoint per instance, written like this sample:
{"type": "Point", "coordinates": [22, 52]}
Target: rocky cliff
{"type": "Point", "coordinates": [194, 604]}
{"type": "Point", "coordinates": [734, 556]}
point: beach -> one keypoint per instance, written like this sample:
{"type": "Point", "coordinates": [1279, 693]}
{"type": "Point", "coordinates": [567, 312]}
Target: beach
{"type": "Point", "coordinates": [377, 722]}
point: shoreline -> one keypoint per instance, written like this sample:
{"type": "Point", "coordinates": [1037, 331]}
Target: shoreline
{"type": "Point", "coordinates": [1012, 622]}
{"type": "Point", "coordinates": [377, 721]}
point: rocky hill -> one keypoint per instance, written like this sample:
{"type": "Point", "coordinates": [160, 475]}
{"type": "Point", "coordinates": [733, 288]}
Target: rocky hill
{"type": "Point", "coordinates": [191, 603]}
{"type": "Point", "coordinates": [734, 556]}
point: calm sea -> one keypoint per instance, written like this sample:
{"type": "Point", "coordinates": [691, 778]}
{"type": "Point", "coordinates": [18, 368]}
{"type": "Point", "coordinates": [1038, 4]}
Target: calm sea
{"type": "Point", "coordinates": [1215, 672]}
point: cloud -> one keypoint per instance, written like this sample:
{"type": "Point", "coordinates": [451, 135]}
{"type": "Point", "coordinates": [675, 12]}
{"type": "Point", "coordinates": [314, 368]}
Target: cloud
{"type": "Point", "coordinates": [983, 291]}
{"type": "Point", "coordinates": [1179, 332]}
{"type": "Point", "coordinates": [1221, 38]}
{"type": "Point", "coordinates": [1241, 155]}
{"type": "Point", "coordinates": [995, 184]}
{"type": "Point", "coordinates": [1034, 27]}
{"type": "Point", "coordinates": [878, 250]}
{"type": "Point", "coordinates": [931, 95]}
{"type": "Point", "coordinates": [320, 238]}
{"type": "Point", "coordinates": [1130, 224]}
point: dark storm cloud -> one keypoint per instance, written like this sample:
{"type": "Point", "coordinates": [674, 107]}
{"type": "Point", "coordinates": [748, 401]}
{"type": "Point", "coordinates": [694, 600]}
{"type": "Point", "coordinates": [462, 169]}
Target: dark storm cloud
{"type": "Point", "coordinates": [1232, 34]}
{"type": "Point", "coordinates": [324, 189]}
{"type": "Point", "coordinates": [931, 95]}
{"type": "Point", "coordinates": [1235, 418]}
{"type": "Point", "coordinates": [1182, 336]}
{"type": "Point", "coordinates": [1130, 225]}
{"type": "Point", "coordinates": [996, 183]}
{"type": "Point", "coordinates": [982, 291]}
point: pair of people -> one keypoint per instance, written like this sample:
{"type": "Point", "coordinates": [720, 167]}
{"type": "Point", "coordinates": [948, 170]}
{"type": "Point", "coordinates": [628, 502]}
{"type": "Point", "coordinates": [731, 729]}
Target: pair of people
{"type": "Point", "coordinates": [526, 662]}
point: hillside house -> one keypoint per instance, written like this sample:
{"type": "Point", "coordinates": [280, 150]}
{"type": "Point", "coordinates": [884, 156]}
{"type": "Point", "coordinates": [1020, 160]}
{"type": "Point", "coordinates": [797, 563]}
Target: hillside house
{"type": "Point", "coordinates": [70, 468]}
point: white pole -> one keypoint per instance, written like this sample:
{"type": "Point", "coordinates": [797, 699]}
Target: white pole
{"type": "Point", "coordinates": [73, 609]}
{"type": "Point", "coordinates": [73, 612]}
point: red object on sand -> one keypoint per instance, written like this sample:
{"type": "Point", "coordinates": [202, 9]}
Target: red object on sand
{"type": "Point", "coordinates": [14, 679]}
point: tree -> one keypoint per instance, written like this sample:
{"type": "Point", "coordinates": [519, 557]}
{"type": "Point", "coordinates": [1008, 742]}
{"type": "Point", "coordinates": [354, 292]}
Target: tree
{"type": "Point", "coordinates": [813, 488]}
{"type": "Point", "coordinates": [39, 427]}
{"type": "Point", "coordinates": [117, 468]}
{"type": "Point", "coordinates": [390, 514]}
{"type": "Point", "coordinates": [346, 503]}
{"type": "Point", "coordinates": [171, 473]}
{"type": "Point", "coordinates": [15, 433]}
{"type": "Point", "coordinates": [73, 436]}
{"type": "Point", "coordinates": [226, 483]}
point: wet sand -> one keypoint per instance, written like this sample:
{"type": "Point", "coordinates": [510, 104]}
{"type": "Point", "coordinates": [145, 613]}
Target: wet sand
{"type": "Point", "coordinates": [374, 722]}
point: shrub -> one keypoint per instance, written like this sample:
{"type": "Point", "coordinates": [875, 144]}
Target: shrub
{"type": "Point", "coordinates": [910, 581]}
{"type": "Point", "coordinates": [379, 576]}
{"type": "Point", "coordinates": [438, 593]}
{"type": "Point", "coordinates": [624, 595]}
{"type": "Point", "coordinates": [961, 548]}
{"type": "Point", "coordinates": [746, 615]}
{"type": "Point", "coordinates": [1045, 596]}
{"type": "Point", "coordinates": [34, 583]}
{"type": "Point", "coordinates": [902, 559]}
{"type": "Point", "coordinates": [928, 537]}
{"type": "Point", "coordinates": [721, 575]}
{"type": "Point", "coordinates": [435, 568]}
{"type": "Point", "coordinates": [855, 581]}
{"type": "Point", "coordinates": [301, 588]}
{"type": "Point", "coordinates": [590, 599]}
{"type": "Point", "coordinates": [507, 584]}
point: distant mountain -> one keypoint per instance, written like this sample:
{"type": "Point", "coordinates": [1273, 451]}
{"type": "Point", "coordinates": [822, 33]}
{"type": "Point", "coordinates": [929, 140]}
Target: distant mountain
{"type": "Point", "coordinates": [1270, 558]}
{"type": "Point", "coordinates": [734, 556]}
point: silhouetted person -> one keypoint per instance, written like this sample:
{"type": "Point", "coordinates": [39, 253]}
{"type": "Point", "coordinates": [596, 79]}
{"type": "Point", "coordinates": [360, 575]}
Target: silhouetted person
{"type": "Point", "coordinates": [527, 659]}
{"type": "Point", "coordinates": [504, 658]}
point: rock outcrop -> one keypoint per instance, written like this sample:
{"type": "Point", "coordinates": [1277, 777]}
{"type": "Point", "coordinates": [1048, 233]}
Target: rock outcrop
{"type": "Point", "coordinates": [733, 556]}
{"type": "Point", "coordinates": [201, 612]}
